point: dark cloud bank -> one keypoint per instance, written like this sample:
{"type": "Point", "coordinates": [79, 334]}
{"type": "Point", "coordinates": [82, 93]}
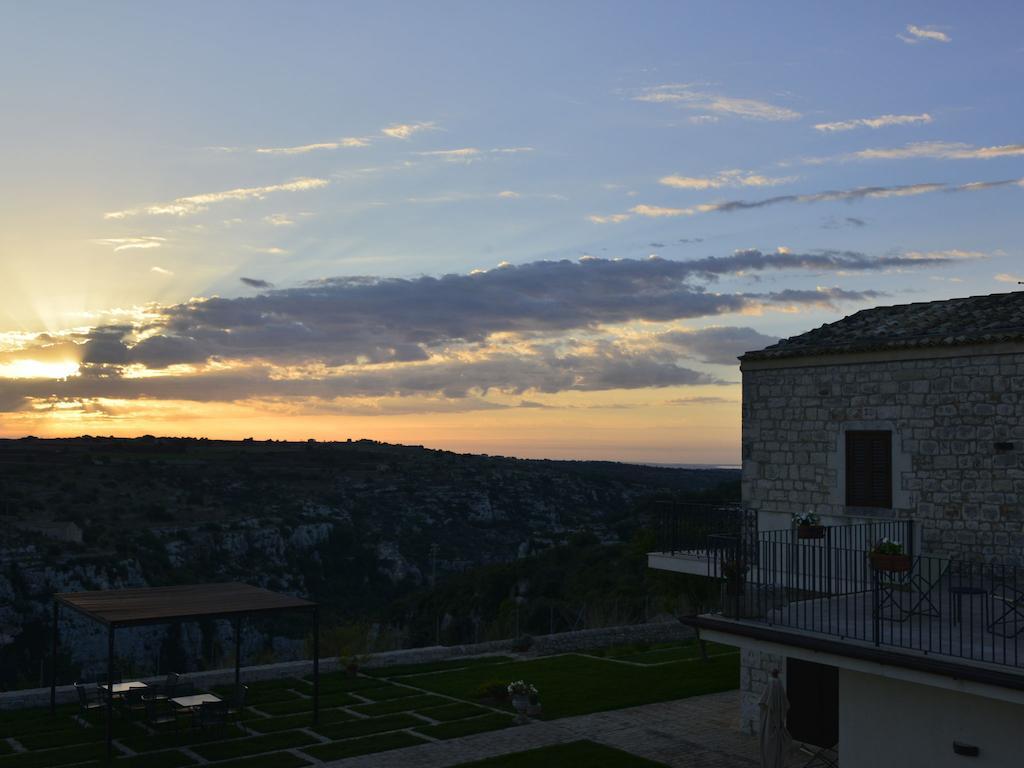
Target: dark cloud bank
{"type": "Point", "coordinates": [447, 335]}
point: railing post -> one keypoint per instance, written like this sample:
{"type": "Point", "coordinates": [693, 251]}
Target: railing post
{"type": "Point", "coordinates": [876, 619]}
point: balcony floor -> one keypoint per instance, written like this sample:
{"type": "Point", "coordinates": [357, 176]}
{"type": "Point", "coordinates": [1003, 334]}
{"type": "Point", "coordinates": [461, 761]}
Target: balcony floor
{"type": "Point", "coordinates": [909, 616]}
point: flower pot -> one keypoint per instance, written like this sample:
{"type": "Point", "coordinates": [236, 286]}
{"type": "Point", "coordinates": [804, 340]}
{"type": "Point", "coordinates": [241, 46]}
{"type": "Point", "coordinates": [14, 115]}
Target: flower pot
{"type": "Point", "coordinates": [534, 709]}
{"type": "Point", "coordinates": [521, 703]}
{"type": "Point", "coordinates": [810, 531]}
{"type": "Point", "coordinates": [890, 563]}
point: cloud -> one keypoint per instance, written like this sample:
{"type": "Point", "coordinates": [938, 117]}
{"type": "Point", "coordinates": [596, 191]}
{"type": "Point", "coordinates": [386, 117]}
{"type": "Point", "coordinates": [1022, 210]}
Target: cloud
{"type": "Point", "coordinates": [508, 194]}
{"type": "Point", "coordinates": [700, 400]}
{"type": "Point", "coordinates": [364, 320]}
{"type": "Point", "coordinates": [471, 154]}
{"type": "Point", "coordinates": [253, 282]}
{"type": "Point", "coordinates": [857, 193]}
{"type": "Point", "coordinates": [718, 345]}
{"type": "Point", "coordinates": [302, 149]}
{"type": "Point", "coordinates": [686, 96]}
{"type": "Point", "coordinates": [847, 221]}
{"type": "Point", "coordinates": [161, 271]}
{"type": "Point", "coordinates": [543, 326]}
{"type": "Point", "coordinates": [612, 218]}
{"type": "Point", "coordinates": [939, 150]}
{"type": "Point", "coordinates": [882, 121]}
{"type": "Point", "coordinates": [923, 150]}
{"type": "Point", "coordinates": [465, 154]}
{"type": "Point", "coordinates": [279, 220]}
{"type": "Point", "coordinates": [406, 130]}
{"type": "Point", "coordinates": [918, 34]}
{"type": "Point", "coordinates": [731, 178]}
{"type": "Point", "coordinates": [186, 206]}
{"type": "Point", "coordinates": [1003, 277]}
{"type": "Point", "coordinates": [132, 243]}
{"type": "Point", "coordinates": [659, 211]}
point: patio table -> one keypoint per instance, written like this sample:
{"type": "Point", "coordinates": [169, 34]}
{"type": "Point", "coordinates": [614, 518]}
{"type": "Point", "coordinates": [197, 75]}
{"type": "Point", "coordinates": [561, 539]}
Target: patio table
{"type": "Point", "coordinates": [191, 702]}
{"type": "Point", "coordinates": [122, 687]}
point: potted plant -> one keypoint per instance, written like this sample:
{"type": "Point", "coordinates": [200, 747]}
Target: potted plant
{"type": "Point", "coordinates": [888, 555]}
{"type": "Point", "coordinates": [808, 525]}
{"type": "Point", "coordinates": [534, 708]}
{"type": "Point", "coordinates": [521, 692]}
{"type": "Point", "coordinates": [734, 570]}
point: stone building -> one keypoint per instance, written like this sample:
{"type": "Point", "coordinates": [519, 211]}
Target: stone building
{"type": "Point", "coordinates": [907, 411]}
{"type": "Point", "coordinates": [904, 422]}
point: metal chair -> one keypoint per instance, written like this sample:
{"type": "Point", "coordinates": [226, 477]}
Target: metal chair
{"type": "Point", "coordinates": [236, 704]}
{"type": "Point", "coordinates": [212, 716]}
{"type": "Point", "coordinates": [1007, 610]}
{"type": "Point", "coordinates": [132, 703]}
{"type": "Point", "coordinates": [159, 712]}
{"type": "Point", "coordinates": [88, 701]}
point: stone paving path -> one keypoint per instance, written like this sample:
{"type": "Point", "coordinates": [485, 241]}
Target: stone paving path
{"type": "Point", "coordinates": [698, 732]}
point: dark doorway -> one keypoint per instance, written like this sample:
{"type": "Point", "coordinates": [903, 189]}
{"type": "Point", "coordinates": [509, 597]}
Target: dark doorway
{"type": "Point", "coordinates": [813, 691]}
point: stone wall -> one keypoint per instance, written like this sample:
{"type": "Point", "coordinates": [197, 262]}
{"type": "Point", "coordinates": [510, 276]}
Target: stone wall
{"type": "Point", "coordinates": [958, 446]}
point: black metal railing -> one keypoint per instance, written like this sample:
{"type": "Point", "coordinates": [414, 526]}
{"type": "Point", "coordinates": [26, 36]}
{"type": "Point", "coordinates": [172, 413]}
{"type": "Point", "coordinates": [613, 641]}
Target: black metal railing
{"type": "Point", "coordinates": [690, 527]}
{"type": "Point", "coordinates": [834, 586]}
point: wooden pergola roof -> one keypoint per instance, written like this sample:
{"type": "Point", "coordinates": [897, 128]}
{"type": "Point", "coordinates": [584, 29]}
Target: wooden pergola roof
{"type": "Point", "coordinates": [157, 605]}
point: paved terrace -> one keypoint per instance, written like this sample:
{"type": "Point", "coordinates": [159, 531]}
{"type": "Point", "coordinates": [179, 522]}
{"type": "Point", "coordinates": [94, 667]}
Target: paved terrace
{"type": "Point", "coordinates": [914, 617]}
{"type": "Point", "coordinates": [699, 732]}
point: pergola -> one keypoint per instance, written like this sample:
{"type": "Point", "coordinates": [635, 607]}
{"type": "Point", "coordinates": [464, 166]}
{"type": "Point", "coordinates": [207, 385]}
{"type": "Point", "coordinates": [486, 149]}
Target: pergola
{"type": "Point", "coordinates": [117, 608]}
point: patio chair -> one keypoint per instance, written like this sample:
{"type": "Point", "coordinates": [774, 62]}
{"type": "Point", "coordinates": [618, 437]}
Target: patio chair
{"type": "Point", "coordinates": [1007, 610]}
{"type": "Point", "coordinates": [159, 712]}
{"type": "Point", "coordinates": [88, 701]}
{"type": "Point", "coordinates": [132, 703]}
{"type": "Point", "coordinates": [910, 593]}
{"type": "Point", "coordinates": [168, 689]}
{"type": "Point", "coordinates": [236, 704]}
{"type": "Point", "coordinates": [212, 716]}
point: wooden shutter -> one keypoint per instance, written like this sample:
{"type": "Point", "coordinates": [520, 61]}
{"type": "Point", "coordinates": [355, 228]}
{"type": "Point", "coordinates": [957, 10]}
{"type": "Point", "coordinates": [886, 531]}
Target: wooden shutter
{"type": "Point", "coordinates": [869, 469]}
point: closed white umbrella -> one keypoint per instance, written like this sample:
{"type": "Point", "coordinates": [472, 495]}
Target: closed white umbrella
{"type": "Point", "coordinates": [774, 736]}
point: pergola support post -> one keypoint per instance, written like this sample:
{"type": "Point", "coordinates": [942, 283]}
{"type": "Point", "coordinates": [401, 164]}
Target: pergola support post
{"type": "Point", "coordinates": [53, 660]}
{"type": "Point", "coordinates": [110, 693]}
{"type": "Point", "coordinates": [316, 665]}
{"type": "Point", "coordinates": [238, 653]}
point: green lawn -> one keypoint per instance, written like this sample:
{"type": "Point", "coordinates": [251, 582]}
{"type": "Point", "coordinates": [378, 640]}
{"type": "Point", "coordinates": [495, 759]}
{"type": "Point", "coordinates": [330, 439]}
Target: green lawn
{"type": "Point", "coordinates": [577, 685]}
{"type": "Point", "coordinates": [576, 753]}
{"type": "Point", "coordinates": [392, 708]}
{"type": "Point", "coordinates": [364, 746]}
{"type": "Point", "coordinates": [436, 666]}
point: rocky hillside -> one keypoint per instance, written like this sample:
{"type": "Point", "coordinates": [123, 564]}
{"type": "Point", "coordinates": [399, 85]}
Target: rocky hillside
{"type": "Point", "coordinates": [355, 525]}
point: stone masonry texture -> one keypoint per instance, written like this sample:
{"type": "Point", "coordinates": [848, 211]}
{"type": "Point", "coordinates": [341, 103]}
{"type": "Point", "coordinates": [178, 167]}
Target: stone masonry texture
{"type": "Point", "coordinates": [958, 422]}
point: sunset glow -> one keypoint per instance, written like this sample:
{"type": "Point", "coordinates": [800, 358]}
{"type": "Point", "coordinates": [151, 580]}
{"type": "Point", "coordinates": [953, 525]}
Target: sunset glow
{"type": "Point", "coordinates": [532, 230]}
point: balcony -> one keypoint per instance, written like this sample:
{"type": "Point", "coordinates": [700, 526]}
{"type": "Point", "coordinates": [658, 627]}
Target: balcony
{"type": "Point", "coordinates": [686, 534]}
{"type": "Point", "coordinates": [829, 588]}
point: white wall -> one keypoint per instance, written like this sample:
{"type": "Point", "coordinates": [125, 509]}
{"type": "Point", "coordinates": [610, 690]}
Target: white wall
{"type": "Point", "coordinates": [886, 723]}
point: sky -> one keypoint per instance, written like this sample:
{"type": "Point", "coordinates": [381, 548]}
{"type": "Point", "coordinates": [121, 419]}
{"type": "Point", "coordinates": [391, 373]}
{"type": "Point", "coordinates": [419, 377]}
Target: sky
{"type": "Point", "coordinates": [529, 229]}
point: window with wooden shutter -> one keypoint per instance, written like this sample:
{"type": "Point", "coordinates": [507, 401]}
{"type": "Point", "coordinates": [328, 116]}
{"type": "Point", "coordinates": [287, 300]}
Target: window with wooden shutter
{"type": "Point", "coordinates": [869, 469]}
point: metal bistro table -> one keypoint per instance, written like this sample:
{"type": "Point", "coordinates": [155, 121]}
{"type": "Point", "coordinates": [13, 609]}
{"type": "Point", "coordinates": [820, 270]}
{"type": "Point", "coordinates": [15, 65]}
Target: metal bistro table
{"type": "Point", "coordinates": [191, 702]}
{"type": "Point", "coordinates": [121, 688]}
